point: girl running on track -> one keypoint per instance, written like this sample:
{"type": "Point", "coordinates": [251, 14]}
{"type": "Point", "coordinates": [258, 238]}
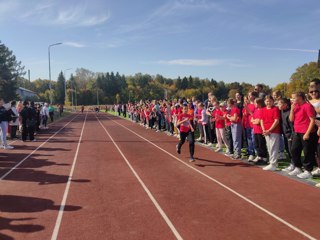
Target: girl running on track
{"type": "Point", "coordinates": [186, 131]}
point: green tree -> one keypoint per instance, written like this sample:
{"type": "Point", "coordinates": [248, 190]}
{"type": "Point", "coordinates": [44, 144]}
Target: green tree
{"type": "Point", "coordinates": [10, 71]}
{"type": "Point", "coordinates": [301, 78]}
{"type": "Point", "coordinates": [60, 89]}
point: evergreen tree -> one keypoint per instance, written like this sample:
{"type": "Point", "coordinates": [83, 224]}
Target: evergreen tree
{"type": "Point", "coordinates": [60, 89]}
{"type": "Point", "coordinates": [10, 70]}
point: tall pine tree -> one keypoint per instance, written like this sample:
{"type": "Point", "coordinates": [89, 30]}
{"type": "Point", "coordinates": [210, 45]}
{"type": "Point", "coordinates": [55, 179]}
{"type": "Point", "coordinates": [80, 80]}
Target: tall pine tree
{"type": "Point", "coordinates": [60, 89]}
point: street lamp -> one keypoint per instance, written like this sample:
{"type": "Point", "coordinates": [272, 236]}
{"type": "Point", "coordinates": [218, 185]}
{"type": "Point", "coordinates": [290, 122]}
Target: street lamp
{"type": "Point", "coordinates": [65, 85]}
{"type": "Point", "coordinates": [55, 44]}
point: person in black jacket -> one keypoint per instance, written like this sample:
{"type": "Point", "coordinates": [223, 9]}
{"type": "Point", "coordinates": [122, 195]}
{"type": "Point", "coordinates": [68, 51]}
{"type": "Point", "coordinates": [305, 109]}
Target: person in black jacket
{"type": "Point", "coordinates": [28, 119]}
{"type": "Point", "coordinates": [286, 129]}
{"type": "Point", "coordinates": [5, 118]}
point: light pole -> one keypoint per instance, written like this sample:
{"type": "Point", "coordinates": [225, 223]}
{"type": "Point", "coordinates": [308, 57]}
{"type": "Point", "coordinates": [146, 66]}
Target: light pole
{"type": "Point", "coordinates": [55, 44]}
{"type": "Point", "coordinates": [65, 85]}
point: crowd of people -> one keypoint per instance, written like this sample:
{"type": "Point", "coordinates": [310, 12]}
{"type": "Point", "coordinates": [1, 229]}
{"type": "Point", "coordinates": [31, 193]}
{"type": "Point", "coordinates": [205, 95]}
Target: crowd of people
{"type": "Point", "coordinates": [24, 120]}
{"type": "Point", "coordinates": [266, 126]}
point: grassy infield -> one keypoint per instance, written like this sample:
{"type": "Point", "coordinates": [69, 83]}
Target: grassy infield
{"type": "Point", "coordinates": [281, 163]}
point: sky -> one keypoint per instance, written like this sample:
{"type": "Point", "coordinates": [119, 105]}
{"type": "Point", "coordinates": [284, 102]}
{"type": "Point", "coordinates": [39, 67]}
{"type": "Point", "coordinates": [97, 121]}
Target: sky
{"type": "Point", "coordinates": [254, 41]}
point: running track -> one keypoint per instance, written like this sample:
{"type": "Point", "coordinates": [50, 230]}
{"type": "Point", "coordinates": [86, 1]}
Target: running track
{"type": "Point", "coordinates": [102, 177]}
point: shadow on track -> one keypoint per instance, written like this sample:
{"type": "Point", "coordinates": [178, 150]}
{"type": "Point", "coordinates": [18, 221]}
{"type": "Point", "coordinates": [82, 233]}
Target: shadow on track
{"type": "Point", "coordinates": [20, 204]}
{"type": "Point", "coordinates": [220, 164]}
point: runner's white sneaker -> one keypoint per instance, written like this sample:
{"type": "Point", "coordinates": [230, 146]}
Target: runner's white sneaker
{"type": "Point", "coordinates": [316, 172]}
{"type": "Point", "coordinates": [270, 167]}
{"type": "Point", "coordinates": [295, 172]}
{"type": "Point", "coordinates": [305, 175]}
{"type": "Point", "coordinates": [256, 159]}
{"type": "Point", "coordinates": [218, 150]}
{"type": "Point", "coordinates": [288, 169]}
{"type": "Point", "coordinates": [318, 185]}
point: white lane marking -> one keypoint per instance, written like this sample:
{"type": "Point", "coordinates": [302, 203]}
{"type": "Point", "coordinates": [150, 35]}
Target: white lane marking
{"type": "Point", "coordinates": [23, 160]}
{"type": "Point", "coordinates": [154, 201]}
{"type": "Point", "coordinates": [224, 186]}
{"type": "Point", "coordinates": [66, 191]}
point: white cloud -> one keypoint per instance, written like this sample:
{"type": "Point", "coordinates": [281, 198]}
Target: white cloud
{"type": "Point", "coordinates": [74, 44]}
{"type": "Point", "coordinates": [56, 13]}
{"type": "Point", "coordinates": [287, 49]}
{"type": "Point", "coordinates": [204, 62]}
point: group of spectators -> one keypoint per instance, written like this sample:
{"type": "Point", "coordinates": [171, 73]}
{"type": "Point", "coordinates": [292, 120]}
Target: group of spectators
{"type": "Point", "coordinates": [26, 118]}
{"type": "Point", "coordinates": [265, 126]}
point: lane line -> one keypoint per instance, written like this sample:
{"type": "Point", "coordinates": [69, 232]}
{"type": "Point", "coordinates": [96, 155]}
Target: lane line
{"type": "Point", "coordinates": [152, 198]}
{"type": "Point", "coordinates": [224, 186]}
{"type": "Point", "coordinates": [66, 191]}
{"type": "Point", "coordinates": [30, 154]}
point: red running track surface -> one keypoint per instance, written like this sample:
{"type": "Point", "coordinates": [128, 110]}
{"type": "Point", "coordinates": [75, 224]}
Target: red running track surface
{"type": "Point", "coordinates": [212, 198]}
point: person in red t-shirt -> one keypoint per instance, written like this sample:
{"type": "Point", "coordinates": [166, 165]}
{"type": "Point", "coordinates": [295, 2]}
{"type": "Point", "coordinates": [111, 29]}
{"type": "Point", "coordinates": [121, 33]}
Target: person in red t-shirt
{"type": "Point", "coordinates": [186, 131]}
{"type": "Point", "coordinates": [236, 127]}
{"type": "Point", "coordinates": [219, 117]}
{"type": "Point", "coordinates": [247, 113]}
{"type": "Point", "coordinates": [303, 115]}
{"type": "Point", "coordinates": [260, 144]}
{"type": "Point", "coordinates": [271, 130]}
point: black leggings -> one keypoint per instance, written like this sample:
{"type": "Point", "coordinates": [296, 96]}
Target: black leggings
{"type": "Point", "coordinates": [190, 136]}
{"type": "Point", "coordinates": [260, 145]}
{"type": "Point", "coordinates": [309, 148]}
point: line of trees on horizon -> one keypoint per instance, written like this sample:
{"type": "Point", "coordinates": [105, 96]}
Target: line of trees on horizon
{"type": "Point", "coordinates": [89, 88]}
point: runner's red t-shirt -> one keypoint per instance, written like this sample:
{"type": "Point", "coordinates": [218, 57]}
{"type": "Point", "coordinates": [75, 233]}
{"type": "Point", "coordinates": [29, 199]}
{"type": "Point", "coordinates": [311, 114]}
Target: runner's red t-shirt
{"type": "Point", "coordinates": [268, 117]}
{"type": "Point", "coordinates": [184, 127]}
{"type": "Point", "coordinates": [234, 111]}
{"type": "Point", "coordinates": [302, 114]}
{"type": "Point", "coordinates": [220, 123]}
{"type": "Point", "coordinates": [257, 115]}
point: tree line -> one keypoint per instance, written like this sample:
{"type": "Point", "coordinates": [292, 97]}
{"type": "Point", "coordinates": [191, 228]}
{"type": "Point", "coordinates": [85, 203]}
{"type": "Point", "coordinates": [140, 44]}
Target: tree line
{"type": "Point", "coordinates": [89, 88]}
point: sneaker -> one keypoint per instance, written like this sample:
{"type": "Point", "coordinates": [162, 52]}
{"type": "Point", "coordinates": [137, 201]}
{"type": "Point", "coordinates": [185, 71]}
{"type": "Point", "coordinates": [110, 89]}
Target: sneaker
{"type": "Point", "coordinates": [2, 146]}
{"type": "Point", "coordinates": [288, 169]}
{"type": "Point", "coordinates": [8, 147]}
{"type": "Point", "coordinates": [305, 175]}
{"type": "Point", "coordinates": [191, 159]}
{"type": "Point", "coordinates": [157, 131]}
{"type": "Point", "coordinates": [295, 172]}
{"type": "Point", "coordinates": [218, 150]}
{"type": "Point", "coordinates": [251, 158]}
{"type": "Point", "coordinates": [256, 159]}
{"type": "Point", "coordinates": [34, 140]}
{"type": "Point", "coordinates": [270, 167]}
{"type": "Point", "coordinates": [178, 149]}
{"type": "Point", "coordinates": [318, 185]}
{"type": "Point", "coordinates": [209, 144]}
{"type": "Point", "coordinates": [198, 139]}
{"type": "Point", "coordinates": [236, 157]}
{"type": "Point", "coordinates": [282, 156]}
{"type": "Point", "coordinates": [228, 154]}
{"type": "Point", "coordinates": [316, 172]}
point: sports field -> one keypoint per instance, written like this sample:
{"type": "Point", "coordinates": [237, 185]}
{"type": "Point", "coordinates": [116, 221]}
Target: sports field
{"type": "Point", "coordinates": [102, 177]}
